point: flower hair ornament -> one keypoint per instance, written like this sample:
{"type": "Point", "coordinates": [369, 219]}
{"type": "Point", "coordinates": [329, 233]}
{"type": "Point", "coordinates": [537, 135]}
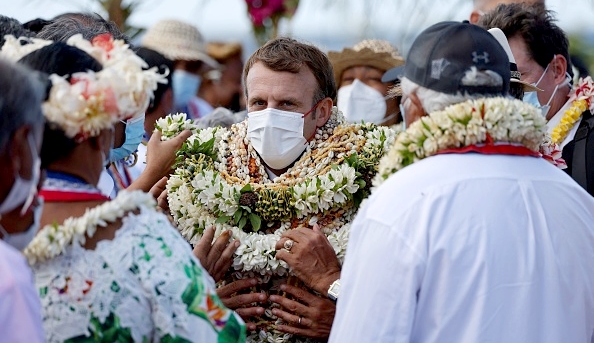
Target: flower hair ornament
{"type": "Point", "coordinates": [90, 101]}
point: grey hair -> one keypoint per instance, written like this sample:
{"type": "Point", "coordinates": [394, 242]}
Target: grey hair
{"type": "Point", "coordinates": [20, 100]}
{"type": "Point", "coordinates": [436, 101]}
{"type": "Point", "coordinates": [221, 117]}
{"type": "Point", "coordinates": [89, 26]}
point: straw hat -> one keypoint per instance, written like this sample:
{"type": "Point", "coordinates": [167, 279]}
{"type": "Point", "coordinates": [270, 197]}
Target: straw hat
{"type": "Point", "coordinates": [220, 50]}
{"type": "Point", "coordinates": [376, 53]}
{"type": "Point", "coordinates": [177, 40]}
{"type": "Point", "coordinates": [515, 74]}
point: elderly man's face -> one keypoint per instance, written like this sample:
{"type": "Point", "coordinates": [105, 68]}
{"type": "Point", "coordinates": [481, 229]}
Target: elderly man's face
{"type": "Point", "coordinates": [284, 91]}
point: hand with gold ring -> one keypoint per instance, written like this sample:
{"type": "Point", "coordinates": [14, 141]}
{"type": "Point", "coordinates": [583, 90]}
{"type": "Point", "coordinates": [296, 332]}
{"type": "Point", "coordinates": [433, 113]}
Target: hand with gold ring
{"type": "Point", "coordinates": [307, 315]}
{"type": "Point", "coordinates": [288, 244]}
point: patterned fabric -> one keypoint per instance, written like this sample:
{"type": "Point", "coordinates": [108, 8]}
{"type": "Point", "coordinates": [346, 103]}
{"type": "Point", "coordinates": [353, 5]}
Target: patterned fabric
{"type": "Point", "coordinates": [145, 285]}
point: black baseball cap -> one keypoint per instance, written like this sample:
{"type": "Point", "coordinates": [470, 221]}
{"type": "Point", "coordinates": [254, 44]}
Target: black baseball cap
{"type": "Point", "coordinates": [442, 54]}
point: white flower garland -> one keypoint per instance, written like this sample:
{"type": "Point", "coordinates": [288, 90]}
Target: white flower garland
{"type": "Point", "coordinates": [200, 197]}
{"type": "Point", "coordinates": [468, 123]}
{"type": "Point", "coordinates": [52, 240]}
{"type": "Point", "coordinates": [90, 102]}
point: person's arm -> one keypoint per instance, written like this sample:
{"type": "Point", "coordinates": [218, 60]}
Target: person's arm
{"type": "Point", "coordinates": [159, 160]}
{"type": "Point", "coordinates": [20, 309]}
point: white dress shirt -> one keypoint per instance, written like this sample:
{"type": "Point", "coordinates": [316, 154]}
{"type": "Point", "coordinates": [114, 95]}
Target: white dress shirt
{"type": "Point", "coordinates": [471, 248]}
{"type": "Point", "coordinates": [20, 309]}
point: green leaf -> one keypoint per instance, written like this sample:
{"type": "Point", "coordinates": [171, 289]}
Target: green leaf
{"type": "Point", "coordinates": [222, 219]}
{"type": "Point", "coordinates": [242, 222]}
{"type": "Point", "coordinates": [237, 216]}
{"type": "Point", "coordinates": [255, 221]}
{"type": "Point", "coordinates": [246, 188]}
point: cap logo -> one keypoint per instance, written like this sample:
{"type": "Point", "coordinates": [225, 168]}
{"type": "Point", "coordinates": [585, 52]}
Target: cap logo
{"type": "Point", "coordinates": [476, 57]}
{"type": "Point", "coordinates": [437, 67]}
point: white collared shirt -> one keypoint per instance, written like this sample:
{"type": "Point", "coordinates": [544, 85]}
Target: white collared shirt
{"type": "Point", "coordinates": [470, 248]}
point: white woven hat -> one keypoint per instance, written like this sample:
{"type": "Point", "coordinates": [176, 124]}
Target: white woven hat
{"type": "Point", "coordinates": [177, 40]}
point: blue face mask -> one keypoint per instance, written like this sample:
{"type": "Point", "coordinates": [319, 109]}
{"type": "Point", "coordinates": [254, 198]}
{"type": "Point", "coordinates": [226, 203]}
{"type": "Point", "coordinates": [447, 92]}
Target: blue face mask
{"type": "Point", "coordinates": [403, 117]}
{"type": "Point", "coordinates": [134, 133]}
{"type": "Point", "coordinates": [185, 87]}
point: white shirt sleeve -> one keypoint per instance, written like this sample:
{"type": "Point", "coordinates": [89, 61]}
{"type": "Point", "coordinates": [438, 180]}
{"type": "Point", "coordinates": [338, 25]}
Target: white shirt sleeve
{"type": "Point", "coordinates": [20, 308]}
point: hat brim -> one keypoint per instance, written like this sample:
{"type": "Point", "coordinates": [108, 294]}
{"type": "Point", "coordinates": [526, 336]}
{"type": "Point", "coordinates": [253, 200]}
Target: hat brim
{"type": "Point", "coordinates": [348, 58]}
{"type": "Point", "coordinates": [393, 75]}
{"type": "Point", "coordinates": [527, 86]}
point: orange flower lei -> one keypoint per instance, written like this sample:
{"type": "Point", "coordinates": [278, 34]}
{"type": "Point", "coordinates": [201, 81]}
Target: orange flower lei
{"type": "Point", "coordinates": [581, 98]}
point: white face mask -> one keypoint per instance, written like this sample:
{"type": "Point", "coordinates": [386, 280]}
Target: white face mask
{"type": "Point", "coordinates": [23, 191]}
{"type": "Point", "coordinates": [359, 102]}
{"type": "Point", "coordinates": [20, 240]}
{"type": "Point", "coordinates": [277, 136]}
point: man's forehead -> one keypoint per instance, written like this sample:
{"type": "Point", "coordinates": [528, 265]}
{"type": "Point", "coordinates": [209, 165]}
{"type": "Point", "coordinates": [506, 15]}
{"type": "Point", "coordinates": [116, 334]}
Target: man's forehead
{"type": "Point", "coordinates": [262, 81]}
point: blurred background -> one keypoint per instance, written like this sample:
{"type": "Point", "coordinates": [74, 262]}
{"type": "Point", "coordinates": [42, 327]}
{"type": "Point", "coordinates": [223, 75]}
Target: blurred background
{"type": "Point", "coordinates": [330, 24]}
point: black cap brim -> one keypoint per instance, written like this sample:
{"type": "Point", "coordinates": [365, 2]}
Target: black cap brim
{"type": "Point", "coordinates": [393, 74]}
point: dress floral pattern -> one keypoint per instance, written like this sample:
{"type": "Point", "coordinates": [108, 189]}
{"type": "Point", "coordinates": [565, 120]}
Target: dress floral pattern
{"type": "Point", "coordinates": [143, 286]}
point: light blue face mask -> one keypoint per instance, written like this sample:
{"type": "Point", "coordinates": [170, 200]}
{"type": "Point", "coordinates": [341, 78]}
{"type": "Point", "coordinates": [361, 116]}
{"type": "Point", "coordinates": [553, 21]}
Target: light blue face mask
{"type": "Point", "coordinates": [185, 87]}
{"type": "Point", "coordinates": [134, 132]}
{"type": "Point", "coordinates": [403, 117]}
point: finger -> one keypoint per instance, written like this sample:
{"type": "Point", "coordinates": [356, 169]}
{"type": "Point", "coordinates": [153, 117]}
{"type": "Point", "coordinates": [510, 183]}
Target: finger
{"type": "Point", "coordinates": [248, 325]}
{"type": "Point", "coordinates": [235, 286]}
{"type": "Point", "coordinates": [155, 137]}
{"type": "Point", "coordinates": [163, 202]}
{"type": "Point", "coordinates": [217, 248]}
{"type": "Point", "coordinates": [242, 300]}
{"type": "Point", "coordinates": [316, 228]}
{"type": "Point", "coordinates": [289, 318]}
{"type": "Point", "coordinates": [247, 312]}
{"type": "Point", "coordinates": [158, 187]}
{"type": "Point", "coordinates": [181, 138]}
{"type": "Point", "coordinates": [291, 306]}
{"type": "Point", "coordinates": [299, 293]}
{"type": "Point", "coordinates": [226, 260]}
{"type": "Point", "coordinates": [296, 330]}
{"type": "Point", "coordinates": [286, 256]}
{"type": "Point", "coordinates": [203, 246]}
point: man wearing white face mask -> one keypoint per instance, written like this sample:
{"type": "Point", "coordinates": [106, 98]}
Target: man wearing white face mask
{"type": "Point", "coordinates": [541, 49]}
{"type": "Point", "coordinates": [21, 127]}
{"type": "Point", "coordinates": [362, 93]}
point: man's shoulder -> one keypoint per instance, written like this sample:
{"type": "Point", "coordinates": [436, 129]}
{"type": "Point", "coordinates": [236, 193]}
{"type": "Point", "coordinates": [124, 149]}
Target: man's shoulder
{"type": "Point", "coordinates": [13, 267]}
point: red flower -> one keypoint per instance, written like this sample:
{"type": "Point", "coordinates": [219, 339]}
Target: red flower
{"type": "Point", "coordinates": [104, 41]}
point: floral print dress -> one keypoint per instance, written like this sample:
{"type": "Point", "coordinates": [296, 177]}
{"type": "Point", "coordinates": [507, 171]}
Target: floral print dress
{"type": "Point", "coordinates": [145, 285]}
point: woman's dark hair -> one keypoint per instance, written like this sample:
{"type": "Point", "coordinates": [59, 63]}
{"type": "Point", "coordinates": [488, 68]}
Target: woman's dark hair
{"type": "Point", "coordinates": [165, 66]}
{"type": "Point", "coordinates": [64, 60]}
{"type": "Point", "coordinates": [11, 26]}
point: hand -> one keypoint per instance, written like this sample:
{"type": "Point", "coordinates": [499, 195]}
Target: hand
{"type": "Point", "coordinates": [160, 157]}
{"type": "Point", "coordinates": [158, 189]}
{"type": "Point", "coordinates": [312, 259]}
{"type": "Point", "coordinates": [317, 314]}
{"type": "Point", "coordinates": [243, 304]}
{"type": "Point", "coordinates": [216, 257]}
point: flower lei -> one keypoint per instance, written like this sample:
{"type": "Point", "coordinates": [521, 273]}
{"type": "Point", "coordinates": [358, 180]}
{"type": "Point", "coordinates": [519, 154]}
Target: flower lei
{"type": "Point", "coordinates": [52, 240]}
{"type": "Point", "coordinates": [90, 102]}
{"type": "Point", "coordinates": [581, 98]}
{"type": "Point", "coordinates": [221, 181]}
{"type": "Point", "coordinates": [473, 122]}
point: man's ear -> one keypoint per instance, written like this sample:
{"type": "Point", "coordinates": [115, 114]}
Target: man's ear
{"type": "Point", "coordinates": [559, 66]}
{"type": "Point", "coordinates": [324, 111]}
{"type": "Point", "coordinates": [415, 110]}
{"type": "Point", "coordinates": [474, 17]}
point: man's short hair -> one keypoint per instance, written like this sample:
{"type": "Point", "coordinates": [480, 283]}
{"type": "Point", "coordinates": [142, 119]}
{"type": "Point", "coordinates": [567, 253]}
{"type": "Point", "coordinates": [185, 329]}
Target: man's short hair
{"type": "Point", "coordinates": [21, 94]}
{"type": "Point", "coordinates": [536, 25]}
{"type": "Point", "coordinates": [89, 26]}
{"type": "Point", "coordinates": [289, 55]}
{"type": "Point", "coordinates": [453, 57]}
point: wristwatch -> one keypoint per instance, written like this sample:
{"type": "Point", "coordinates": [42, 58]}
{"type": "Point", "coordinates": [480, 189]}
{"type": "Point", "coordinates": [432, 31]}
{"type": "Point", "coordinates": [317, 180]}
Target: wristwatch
{"type": "Point", "coordinates": [334, 290]}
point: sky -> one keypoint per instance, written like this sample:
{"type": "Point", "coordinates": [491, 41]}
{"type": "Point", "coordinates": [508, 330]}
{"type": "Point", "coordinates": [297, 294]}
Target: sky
{"type": "Point", "coordinates": [331, 24]}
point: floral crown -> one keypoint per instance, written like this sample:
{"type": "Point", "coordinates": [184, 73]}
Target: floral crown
{"type": "Point", "coordinates": [93, 101]}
